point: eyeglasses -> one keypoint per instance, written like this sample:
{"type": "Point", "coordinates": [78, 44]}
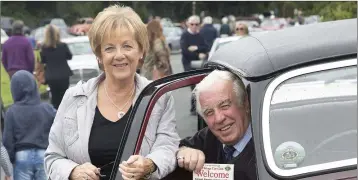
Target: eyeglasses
{"type": "Point", "coordinates": [194, 24]}
{"type": "Point", "coordinates": [239, 29]}
{"type": "Point", "coordinates": [102, 175]}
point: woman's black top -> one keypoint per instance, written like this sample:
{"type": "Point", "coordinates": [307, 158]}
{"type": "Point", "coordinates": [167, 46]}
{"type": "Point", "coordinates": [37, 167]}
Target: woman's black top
{"type": "Point", "coordinates": [104, 141]}
{"type": "Point", "coordinates": [55, 60]}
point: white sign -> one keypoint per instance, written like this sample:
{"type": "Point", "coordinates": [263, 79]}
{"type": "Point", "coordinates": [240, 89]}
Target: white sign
{"type": "Point", "coordinates": [215, 172]}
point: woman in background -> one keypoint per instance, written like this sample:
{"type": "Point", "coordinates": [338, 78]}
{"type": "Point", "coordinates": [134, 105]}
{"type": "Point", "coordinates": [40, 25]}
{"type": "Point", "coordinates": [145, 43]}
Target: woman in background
{"type": "Point", "coordinates": [54, 54]}
{"type": "Point", "coordinates": [157, 63]}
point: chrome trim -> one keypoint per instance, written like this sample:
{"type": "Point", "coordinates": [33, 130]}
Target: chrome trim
{"type": "Point", "coordinates": [266, 126]}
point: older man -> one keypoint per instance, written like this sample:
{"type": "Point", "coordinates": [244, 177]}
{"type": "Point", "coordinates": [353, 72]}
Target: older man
{"type": "Point", "coordinates": [228, 137]}
{"type": "Point", "coordinates": [193, 47]}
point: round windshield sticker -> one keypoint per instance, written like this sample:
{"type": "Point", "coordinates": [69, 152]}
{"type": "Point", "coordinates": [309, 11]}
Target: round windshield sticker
{"type": "Point", "coordinates": [289, 155]}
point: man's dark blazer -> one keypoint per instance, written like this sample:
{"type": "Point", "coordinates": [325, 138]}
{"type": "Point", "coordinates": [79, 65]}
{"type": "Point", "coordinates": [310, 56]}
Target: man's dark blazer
{"type": "Point", "coordinates": [205, 140]}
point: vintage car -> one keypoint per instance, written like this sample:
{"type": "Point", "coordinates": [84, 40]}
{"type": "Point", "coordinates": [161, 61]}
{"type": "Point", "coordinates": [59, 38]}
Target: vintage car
{"type": "Point", "coordinates": [302, 88]}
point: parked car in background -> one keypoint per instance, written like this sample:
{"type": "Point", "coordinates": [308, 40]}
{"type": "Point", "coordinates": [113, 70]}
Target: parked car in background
{"type": "Point", "coordinates": [58, 22]}
{"type": "Point", "coordinates": [4, 37]}
{"type": "Point", "coordinates": [219, 42]}
{"type": "Point", "coordinates": [79, 47]}
{"type": "Point", "coordinates": [83, 70]}
{"type": "Point", "coordinates": [6, 25]}
{"type": "Point", "coordinates": [303, 106]}
{"type": "Point", "coordinates": [39, 34]}
{"type": "Point", "coordinates": [172, 37]}
{"type": "Point", "coordinates": [272, 24]}
{"type": "Point", "coordinates": [82, 27]}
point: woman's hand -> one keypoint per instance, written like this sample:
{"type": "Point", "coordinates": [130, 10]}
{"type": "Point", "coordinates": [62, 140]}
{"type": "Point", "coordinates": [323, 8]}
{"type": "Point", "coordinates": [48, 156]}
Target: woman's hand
{"type": "Point", "coordinates": [86, 171]}
{"type": "Point", "coordinates": [136, 167]}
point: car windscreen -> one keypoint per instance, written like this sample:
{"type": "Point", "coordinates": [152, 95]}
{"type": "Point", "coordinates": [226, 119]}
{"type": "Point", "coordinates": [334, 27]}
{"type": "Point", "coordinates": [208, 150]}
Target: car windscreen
{"type": "Point", "coordinates": [80, 48]}
{"type": "Point", "coordinates": [221, 44]}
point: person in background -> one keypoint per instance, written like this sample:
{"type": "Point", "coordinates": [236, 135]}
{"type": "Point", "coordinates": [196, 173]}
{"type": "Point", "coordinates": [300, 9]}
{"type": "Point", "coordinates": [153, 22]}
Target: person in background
{"type": "Point", "coordinates": [90, 122]}
{"type": "Point", "coordinates": [5, 163]}
{"type": "Point", "coordinates": [208, 31]}
{"type": "Point", "coordinates": [241, 29]}
{"type": "Point", "coordinates": [27, 126]}
{"type": "Point", "coordinates": [225, 30]}
{"type": "Point", "coordinates": [157, 61]}
{"type": "Point", "coordinates": [193, 47]}
{"type": "Point", "coordinates": [54, 55]}
{"type": "Point", "coordinates": [17, 53]}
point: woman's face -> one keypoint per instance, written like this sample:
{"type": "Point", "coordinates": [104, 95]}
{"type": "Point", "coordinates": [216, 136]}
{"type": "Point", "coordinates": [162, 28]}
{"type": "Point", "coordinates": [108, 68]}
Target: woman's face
{"type": "Point", "coordinates": [120, 54]}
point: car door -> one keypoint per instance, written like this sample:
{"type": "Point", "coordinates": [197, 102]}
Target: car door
{"type": "Point", "coordinates": [136, 126]}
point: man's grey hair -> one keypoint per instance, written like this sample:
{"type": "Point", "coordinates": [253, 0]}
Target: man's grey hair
{"type": "Point", "coordinates": [18, 27]}
{"type": "Point", "coordinates": [208, 20]}
{"type": "Point", "coordinates": [194, 19]}
{"type": "Point", "coordinates": [216, 76]}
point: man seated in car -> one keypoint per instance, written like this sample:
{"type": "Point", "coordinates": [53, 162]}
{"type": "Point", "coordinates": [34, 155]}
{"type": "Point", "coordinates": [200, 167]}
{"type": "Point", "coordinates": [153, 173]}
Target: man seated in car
{"type": "Point", "coordinates": [228, 137]}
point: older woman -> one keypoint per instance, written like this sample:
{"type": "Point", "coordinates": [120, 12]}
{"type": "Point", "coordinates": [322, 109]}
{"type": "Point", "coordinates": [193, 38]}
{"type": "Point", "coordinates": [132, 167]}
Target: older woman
{"type": "Point", "coordinates": [90, 121]}
{"type": "Point", "coordinates": [157, 62]}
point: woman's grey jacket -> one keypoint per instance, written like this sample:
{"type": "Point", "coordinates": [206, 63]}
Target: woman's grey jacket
{"type": "Point", "coordinates": [69, 135]}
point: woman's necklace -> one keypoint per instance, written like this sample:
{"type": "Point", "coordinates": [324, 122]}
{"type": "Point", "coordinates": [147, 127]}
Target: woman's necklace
{"type": "Point", "coordinates": [120, 113]}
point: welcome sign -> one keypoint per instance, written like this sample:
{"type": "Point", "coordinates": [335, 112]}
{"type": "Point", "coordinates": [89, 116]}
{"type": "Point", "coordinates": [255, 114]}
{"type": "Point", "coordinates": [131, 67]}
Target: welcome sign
{"type": "Point", "coordinates": [215, 172]}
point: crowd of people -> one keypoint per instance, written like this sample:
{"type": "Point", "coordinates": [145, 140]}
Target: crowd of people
{"type": "Point", "coordinates": [77, 137]}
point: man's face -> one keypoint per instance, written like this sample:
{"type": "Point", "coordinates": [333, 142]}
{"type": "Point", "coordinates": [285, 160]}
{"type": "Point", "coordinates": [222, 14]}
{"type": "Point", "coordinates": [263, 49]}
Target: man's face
{"type": "Point", "coordinates": [194, 26]}
{"type": "Point", "coordinates": [225, 118]}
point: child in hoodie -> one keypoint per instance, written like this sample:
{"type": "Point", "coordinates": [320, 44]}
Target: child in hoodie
{"type": "Point", "coordinates": [27, 125]}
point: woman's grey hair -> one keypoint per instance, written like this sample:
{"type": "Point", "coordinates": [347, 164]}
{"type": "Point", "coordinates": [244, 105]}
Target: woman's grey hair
{"type": "Point", "coordinates": [216, 76]}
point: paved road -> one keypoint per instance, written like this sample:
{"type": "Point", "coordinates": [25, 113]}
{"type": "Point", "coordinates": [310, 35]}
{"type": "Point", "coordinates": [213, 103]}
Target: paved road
{"type": "Point", "coordinates": [186, 123]}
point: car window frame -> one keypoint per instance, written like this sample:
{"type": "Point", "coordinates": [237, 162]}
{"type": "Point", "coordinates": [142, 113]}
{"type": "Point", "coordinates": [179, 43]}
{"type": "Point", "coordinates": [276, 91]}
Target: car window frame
{"type": "Point", "coordinates": [139, 116]}
{"type": "Point", "coordinates": [265, 120]}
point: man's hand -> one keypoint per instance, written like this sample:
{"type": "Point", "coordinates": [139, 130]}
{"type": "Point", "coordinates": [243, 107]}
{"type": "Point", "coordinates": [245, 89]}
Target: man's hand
{"type": "Point", "coordinates": [202, 56]}
{"type": "Point", "coordinates": [190, 159]}
{"type": "Point", "coordinates": [7, 177]}
{"type": "Point", "coordinates": [192, 48]}
{"type": "Point", "coordinates": [136, 167]}
{"type": "Point", "coordinates": [85, 171]}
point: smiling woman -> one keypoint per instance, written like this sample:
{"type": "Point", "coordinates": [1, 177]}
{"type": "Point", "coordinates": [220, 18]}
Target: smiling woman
{"type": "Point", "coordinates": [94, 114]}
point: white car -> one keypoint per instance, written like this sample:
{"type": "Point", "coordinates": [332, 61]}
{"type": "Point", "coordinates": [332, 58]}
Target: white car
{"type": "Point", "coordinates": [83, 70]}
{"type": "Point", "coordinates": [4, 37]}
{"type": "Point", "coordinates": [220, 42]}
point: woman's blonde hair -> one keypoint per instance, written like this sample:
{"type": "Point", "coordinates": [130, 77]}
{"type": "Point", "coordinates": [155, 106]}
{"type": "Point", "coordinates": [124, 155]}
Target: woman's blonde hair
{"type": "Point", "coordinates": [113, 17]}
{"type": "Point", "coordinates": [52, 36]}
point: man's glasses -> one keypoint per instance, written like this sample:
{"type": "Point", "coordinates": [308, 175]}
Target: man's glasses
{"type": "Point", "coordinates": [194, 24]}
{"type": "Point", "coordinates": [106, 165]}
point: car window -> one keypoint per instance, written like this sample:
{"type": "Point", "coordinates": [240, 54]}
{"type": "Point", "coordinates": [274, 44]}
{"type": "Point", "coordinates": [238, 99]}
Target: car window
{"type": "Point", "coordinates": [221, 44]}
{"type": "Point", "coordinates": [312, 120]}
{"type": "Point", "coordinates": [79, 48]}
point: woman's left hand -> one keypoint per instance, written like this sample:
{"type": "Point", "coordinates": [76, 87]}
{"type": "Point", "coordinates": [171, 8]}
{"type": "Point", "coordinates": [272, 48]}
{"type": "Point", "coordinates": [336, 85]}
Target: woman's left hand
{"type": "Point", "coordinates": [136, 167]}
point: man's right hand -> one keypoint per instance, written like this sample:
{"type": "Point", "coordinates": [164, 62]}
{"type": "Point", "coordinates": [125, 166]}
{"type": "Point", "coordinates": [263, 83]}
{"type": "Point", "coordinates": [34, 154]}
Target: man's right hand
{"type": "Point", "coordinates": [190, 159]}
{"type": "Point", "coordinates": [85, 171]}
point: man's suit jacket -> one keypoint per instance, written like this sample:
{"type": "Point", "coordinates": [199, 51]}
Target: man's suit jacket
{"type": "Point", "coordinates": [205, 140]}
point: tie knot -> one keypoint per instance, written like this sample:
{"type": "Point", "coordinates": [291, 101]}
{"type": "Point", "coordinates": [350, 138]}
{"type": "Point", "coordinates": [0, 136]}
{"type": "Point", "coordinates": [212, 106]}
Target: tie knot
{"type": "Point", "coordinates": [229, 149]}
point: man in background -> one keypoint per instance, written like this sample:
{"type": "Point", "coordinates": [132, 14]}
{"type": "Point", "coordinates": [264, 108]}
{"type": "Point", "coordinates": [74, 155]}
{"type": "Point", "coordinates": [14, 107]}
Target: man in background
{"type": "Point", "coordinates": [17, 52]}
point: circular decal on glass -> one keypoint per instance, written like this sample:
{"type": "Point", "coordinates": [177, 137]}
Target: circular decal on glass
{"type": "Point", "coordinates": [289, 155]}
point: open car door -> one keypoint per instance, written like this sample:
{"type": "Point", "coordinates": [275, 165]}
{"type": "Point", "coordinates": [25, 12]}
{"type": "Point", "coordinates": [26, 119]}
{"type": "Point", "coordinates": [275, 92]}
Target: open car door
{"type": "Point", "coordinates": [134, 131]}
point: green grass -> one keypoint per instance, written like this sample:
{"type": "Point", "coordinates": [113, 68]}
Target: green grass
{"type": "Point", "coordinates": [5, 88]}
